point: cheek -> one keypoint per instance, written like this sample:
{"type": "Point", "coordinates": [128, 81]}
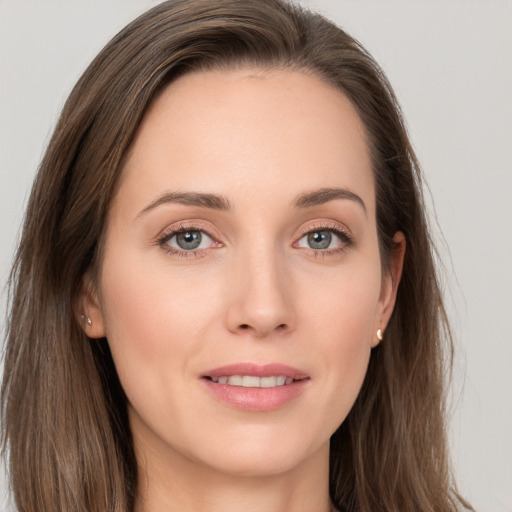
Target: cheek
{"type": "Point", "coordinates": [343, 317]}
{"type": "Point", "coordinates": [343, 303]}
{"type": "Point", "coordinates": [153, 318]}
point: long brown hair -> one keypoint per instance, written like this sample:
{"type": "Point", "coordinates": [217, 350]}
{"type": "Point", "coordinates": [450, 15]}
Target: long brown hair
{"type": "Point", "coordinates": [65, 426]}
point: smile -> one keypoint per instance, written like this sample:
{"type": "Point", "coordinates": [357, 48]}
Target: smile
{"type": "Point", "coordinates": [254, 387]}
{"type": "Point", "coordinates": [252, 381]}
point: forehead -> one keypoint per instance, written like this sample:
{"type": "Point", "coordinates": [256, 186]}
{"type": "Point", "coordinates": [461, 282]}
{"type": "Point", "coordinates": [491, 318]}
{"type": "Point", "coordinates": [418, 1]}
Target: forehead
{"type": "Point", "coordinates": [249, 130]}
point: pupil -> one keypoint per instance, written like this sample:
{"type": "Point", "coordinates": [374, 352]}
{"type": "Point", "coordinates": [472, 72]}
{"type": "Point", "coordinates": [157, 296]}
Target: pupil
{"type": "Point", "coordinates": [319, 239]}
{"type": "Point", "coordinates": [189, 240]}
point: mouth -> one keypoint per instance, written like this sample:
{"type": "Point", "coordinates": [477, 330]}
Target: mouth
{"type": "Point", "coordinates": [256, 387]}
{"type": "Point", "coordinates": [253, 381]}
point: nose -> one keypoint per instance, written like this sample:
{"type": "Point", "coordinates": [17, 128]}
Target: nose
{"type": "Point", "coordinates": [260, 294]}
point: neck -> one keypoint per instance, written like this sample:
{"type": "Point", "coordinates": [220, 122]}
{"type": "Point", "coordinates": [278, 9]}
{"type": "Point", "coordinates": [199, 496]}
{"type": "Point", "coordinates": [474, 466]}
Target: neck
{"type": "Point", "coordinates": [173, 483]}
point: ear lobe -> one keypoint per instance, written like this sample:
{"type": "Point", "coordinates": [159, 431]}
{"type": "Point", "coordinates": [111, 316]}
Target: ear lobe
{"type": "Point", "coordinates": [90, 314]}
{"type": "Point", "coordinates": [389, 286]}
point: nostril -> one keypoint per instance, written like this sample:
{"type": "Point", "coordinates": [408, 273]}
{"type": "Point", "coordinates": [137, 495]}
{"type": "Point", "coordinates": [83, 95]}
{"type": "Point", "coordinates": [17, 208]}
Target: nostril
{"type": "Point", "coordinates": [280, 327]}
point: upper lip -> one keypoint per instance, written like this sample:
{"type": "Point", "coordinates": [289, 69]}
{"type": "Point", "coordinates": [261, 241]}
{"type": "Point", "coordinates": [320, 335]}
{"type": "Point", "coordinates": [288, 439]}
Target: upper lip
{"type": "Point", "coordinates": [257, 370]}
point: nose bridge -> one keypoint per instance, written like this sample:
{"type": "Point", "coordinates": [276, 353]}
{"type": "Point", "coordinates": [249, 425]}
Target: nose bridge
{"type": "Point", "coordinates": [261, 302]}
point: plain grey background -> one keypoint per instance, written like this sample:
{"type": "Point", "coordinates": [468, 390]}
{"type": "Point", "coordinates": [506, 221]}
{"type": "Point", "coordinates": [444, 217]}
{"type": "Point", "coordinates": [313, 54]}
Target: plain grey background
{"type": "Point", "coordinates": [450, 62]}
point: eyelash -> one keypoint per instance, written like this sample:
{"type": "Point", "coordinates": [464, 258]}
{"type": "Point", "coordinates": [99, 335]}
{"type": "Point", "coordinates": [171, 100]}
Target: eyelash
{"type": "Point", "coordinates": [183, 228]}
{"type": "Point", "coordinates": [346, 239]}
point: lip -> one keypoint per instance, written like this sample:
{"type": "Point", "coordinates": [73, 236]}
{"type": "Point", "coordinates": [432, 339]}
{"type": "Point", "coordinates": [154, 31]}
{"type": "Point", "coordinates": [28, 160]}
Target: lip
{"type": "Point", "coordinates": [266, 370]}
{"type": "Point", "coordinates": [256, 399]}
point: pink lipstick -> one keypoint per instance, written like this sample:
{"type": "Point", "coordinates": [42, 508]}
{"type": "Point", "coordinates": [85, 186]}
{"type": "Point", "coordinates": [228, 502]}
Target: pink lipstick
{"type": "Point", "coordinates": [255, 387]}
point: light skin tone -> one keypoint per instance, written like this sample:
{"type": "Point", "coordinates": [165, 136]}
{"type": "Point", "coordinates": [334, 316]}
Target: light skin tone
{"type": "Point", "coordinates": [252, 163]}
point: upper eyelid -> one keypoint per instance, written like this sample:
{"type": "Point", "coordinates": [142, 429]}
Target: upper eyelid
{"type": "Point", "coordinates": [181, 226]}
{"type": "Point", "coordinates": [173, 233]}
{"type": "Point", "coordinates": [328, 225]}
{"type": "Point", "coordinates": [341, 235]}
{"type": "Point", "coordinates": [198, 225]}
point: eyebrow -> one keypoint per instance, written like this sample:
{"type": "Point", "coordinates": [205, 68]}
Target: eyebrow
{"type": "Point", "coordinates": [219, 202]}
{"type": "Point", "coordinates": [211, 201]}
{"type": "Point", "coordinates": [324, 195]}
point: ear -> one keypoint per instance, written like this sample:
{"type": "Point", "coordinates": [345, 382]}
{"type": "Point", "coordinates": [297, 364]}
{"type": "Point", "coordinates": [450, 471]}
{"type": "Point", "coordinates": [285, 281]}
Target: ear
{"type": "Point", "coordinates": [90, 314]}
{"type": "Point", "coordinates": [389, 287]}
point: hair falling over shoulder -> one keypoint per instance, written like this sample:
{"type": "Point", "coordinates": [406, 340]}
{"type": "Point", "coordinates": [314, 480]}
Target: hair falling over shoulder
{"type": "Point", "coordinates": [65, 427]}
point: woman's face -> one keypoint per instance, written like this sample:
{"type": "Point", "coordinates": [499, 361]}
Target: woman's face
{"type": "Point", "coordinates": [241, 287]}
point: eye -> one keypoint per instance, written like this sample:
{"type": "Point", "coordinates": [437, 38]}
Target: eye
{"type": "Point", "coordinates": [325, 239]}
{"type": "Point", "coordinates": [187, 240]}
{"type": "Point", "coordinates": [319, 239]}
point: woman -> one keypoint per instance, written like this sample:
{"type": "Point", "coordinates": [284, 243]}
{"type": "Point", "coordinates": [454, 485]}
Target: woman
{"type": "Point", "coordinates": [224, 296]}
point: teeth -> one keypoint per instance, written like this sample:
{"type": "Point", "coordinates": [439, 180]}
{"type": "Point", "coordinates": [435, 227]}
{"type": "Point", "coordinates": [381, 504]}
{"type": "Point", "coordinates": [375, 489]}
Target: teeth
{"type": "Point", "coordinates": [268, 382]}
{"type": "Point", "coordinates": [250, 381]}
{"type": "Point", "coordinates": [236, 380]}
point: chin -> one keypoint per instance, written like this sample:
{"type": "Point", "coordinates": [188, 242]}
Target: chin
{"type": "Point", "coordinates": [260, 456]}
{"type": "Point", "coordinates": [249, 464]}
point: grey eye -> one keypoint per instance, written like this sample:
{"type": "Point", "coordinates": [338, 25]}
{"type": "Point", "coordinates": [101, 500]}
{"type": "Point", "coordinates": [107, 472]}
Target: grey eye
{"type": "Point", "coordinates": [319, 239]}
{"type": "Point", "coordinates": [189, 240]}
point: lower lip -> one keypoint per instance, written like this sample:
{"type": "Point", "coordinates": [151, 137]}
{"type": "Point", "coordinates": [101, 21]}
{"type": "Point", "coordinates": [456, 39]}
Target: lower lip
{"type": "Point", "coordinates": [256, 399]}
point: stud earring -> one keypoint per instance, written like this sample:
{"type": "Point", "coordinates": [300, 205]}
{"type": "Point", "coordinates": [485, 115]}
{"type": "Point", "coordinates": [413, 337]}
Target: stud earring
{"type": "Point", "coordinates": [379, 334]}
{"type": "Point", "coordinates": [86, 319]}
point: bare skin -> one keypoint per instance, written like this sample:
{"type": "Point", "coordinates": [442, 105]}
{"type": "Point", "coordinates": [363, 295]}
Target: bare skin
{"type": "Point", "coordinates": [243, 231]}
